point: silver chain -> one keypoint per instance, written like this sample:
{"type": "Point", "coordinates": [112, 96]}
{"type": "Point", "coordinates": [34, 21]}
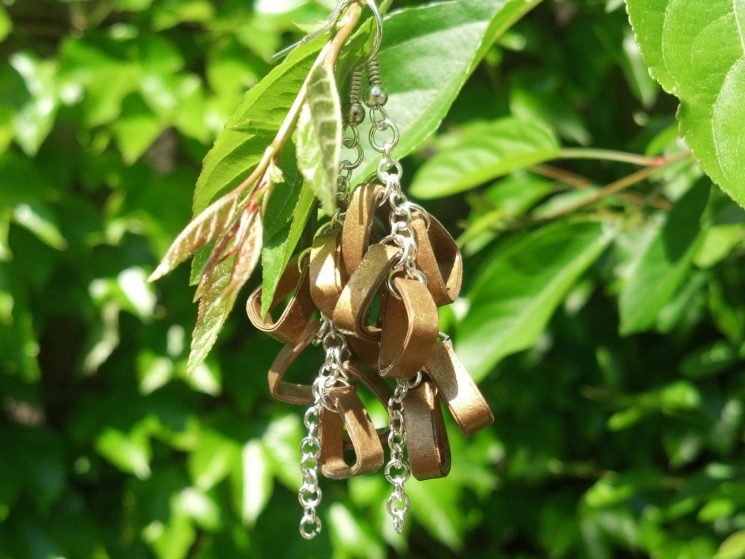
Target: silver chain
{"type": "Point", "coordinates": [397, 470]}
{"type": "Point", "coordinates": [331, 373]}
{"type": "Point", "coordinates": [384, 137]}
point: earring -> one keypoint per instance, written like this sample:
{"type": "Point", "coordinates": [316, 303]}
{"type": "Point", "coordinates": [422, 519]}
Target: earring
{"type": "Point", "coordinates": [378, 251]}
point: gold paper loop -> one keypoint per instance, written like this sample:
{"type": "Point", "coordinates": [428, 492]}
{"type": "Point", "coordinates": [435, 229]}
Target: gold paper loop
{"type": "Point", "coordinates": [457, 389]}
{"type": "Point", "coordinates": [352, 309]}
{"type": "Point", "coordinates": [350, 412]}
{"type": "Point", "coordinates": [438, 257]}
{"type": "Point", "coordinates": [291, 325]}
{"type": "Point", "coordinates": [285, 391]}
{"type": "Point", "coordinates": [426, 436]}
{"type": "Point", "coordinates": [410, 329]}
{"type": "Point", "coordinates": [327, 278]}
{"type": "Point", "coordinates": [358, 224]}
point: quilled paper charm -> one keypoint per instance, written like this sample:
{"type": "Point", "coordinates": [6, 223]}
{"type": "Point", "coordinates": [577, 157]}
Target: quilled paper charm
{"type": "Point", "coordinates": [367, 291]}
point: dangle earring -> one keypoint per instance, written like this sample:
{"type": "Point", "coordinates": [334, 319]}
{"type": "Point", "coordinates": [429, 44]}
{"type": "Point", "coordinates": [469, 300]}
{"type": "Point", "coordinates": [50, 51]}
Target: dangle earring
{"type": "Point", "coordinates": [379, 249]}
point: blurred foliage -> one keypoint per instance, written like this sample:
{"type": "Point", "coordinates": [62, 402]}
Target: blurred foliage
{"type": "Point", "coordinates": [619, 421]}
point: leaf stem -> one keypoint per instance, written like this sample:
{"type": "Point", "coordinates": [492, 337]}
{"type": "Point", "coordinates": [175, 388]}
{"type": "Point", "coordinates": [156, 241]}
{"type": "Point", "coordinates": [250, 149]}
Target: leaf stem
{"type": "Point", "coordinates": [610, 155]}
{"type": "Point", "coordinates": [579, 182]}
{"type": "Point", "coordinates": [329, 54]}
{"type": "Point", "coordinates": [618, 185]}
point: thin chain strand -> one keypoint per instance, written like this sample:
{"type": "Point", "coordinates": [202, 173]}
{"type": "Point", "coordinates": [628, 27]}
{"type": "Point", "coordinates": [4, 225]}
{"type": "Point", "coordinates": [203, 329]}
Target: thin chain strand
{"type": "Point", "coordinates": [332, 373]}
{"type": "Point", "coordinates": [384, 137]}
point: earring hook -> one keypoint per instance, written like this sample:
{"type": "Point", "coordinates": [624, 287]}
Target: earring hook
{"type": "Point", "coordinates": [331, 21]}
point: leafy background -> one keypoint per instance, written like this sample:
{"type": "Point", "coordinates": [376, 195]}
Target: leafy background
{"type": "Point", "coordinates": [606, 288]}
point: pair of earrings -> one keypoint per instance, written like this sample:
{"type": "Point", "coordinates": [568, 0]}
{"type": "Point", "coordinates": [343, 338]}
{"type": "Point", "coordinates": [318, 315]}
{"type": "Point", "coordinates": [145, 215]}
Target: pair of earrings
{"type": "Point", "coordinates": [376, 274]}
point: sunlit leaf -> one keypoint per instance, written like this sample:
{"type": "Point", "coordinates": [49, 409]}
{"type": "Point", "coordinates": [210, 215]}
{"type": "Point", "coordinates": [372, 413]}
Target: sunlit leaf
{"type": "Point", "coordinates": [6, 25]}
{"type": "Point", "coordinates": [733, 547]}
{"type": "Point", "coordinates": [257, 481]}
{"type": "Point", "coordinates": [195, 504]}
{"type": "Point", "coordinates": [252, 128]}
{"type": "Point", "coordinates": [212, 459]}
{"type": "Point", "coordinates": [99, 66]}
{"type": "Point", "coordinates": [421, 86]}
{"type": "Point", "coordinates": [129, 452]}
{"type": "Point", "coordinates": [281, 441]}
{"type": "Point", "coordinates": [437, 510]}
{"type": "Point", "coordinates": [664, 264]}
{"type": "Point", "coordinates": [38, 218]}
{"type": "Point", "coordinates": [485, 152]}
{"type": "Point", "coordinates": [36, 118]}
{"type": "Point", "coordinates": [278, 250]}
{"type": "Point", "coordinates": [695, 50]}
{"type": "Point", "coordinates": [517, 292]}
{"type": "Point", "coordinates": [351, 535]}
{"type": "Point", "coordinates": [136, 129]}
{"type": "Point", "coordinates": [318, 136]}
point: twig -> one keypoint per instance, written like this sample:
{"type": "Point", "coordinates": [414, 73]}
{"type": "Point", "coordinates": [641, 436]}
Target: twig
{"type": "Point", "coordinates": [618, 185]}
{"type": "Point", "coordinates": [610, 155]}
{"type": "Point", "coordinates": [580, 182]}
{"type": "Point", "coordinates": [567, 177]}
{"type": "Point", "coordinates": [329, 52]}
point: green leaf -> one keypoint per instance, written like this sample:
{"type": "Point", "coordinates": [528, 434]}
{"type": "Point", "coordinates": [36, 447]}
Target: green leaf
{"type": "Point", "coordinates": [136, 129]}
{"type": "Point", "coordinates": [318, 136]}
{"type": "Point", "coordinates": [134, 5]}
{"type": "Point", "coordinates": [256, 482]}
{"type": "Point", "coordinates": [517, 292]}
{"type": "Point", "coordinates": [717, 509]}
{"type": "Point", "coordinates": [719, 242]}
{"type": "Point", "coordinates": [98, 65]}
{"type": "Point", "coordinates": [536, 96]}
{"type": "Point", "coordinates": [284, 195]}
{"type": "Point", "coordinates": [7, 126]}
{"type": "Point", "coordinates": [733, 547]}
{"type": "Point", "coordinates": [278, 250]}
{"type": "Point", "coordinates": [421, 88]}
{"type": "Point", "coordinates": [281, 440]}
{"type": "Point", "coordinates": [352, 536]}
{"type": "Point", "coordinates": [5, 252]}
{"type": "Point", "coordinates": [438, 511]}
{"type": "Point", "coordinates": [130, 452]}
{"type": "Point", "coordinates": [637, 74]}
{"type": "Point", "coordinates": [252, 128]}
{"type": "Point", "coordinates": [6, 25]}
{"type": "Point", "coordinates": [665, 263]}
{"type": "Point", "coordinates": [196, 505]}
{"type": "Point", "coordinates": [211, 461]}
{"type": "Point", "coordinates": [696, 51]}
{"type": "Point", "coordinates": [39, 219]}
{"type": "Point", "coordinates": [35, 119]}
{"type": "Point", "coordinates": [205, 378]}
{"type": "Point", "coordinates": [709, 360]}
{"type": "Point", "coordinates": [170, 14]}
{"type": "Point", "coordinates": [19, 346]}
{"type": "Point", "coordinates": [485, 152]}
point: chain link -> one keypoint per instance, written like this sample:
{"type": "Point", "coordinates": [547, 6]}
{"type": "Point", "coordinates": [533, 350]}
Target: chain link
{"type": "Point", "coordinates": [397, 470]}
{"type": "Point", "coordinates": [332, 373]}
{"type": "Point", "coordinates": [384, 137]}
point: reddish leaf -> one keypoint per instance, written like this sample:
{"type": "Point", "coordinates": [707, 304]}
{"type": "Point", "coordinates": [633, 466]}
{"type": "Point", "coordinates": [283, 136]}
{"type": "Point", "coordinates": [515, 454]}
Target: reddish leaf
{"type": "Point", "coordinates": [213, 222]}
{"type": "Point", "coordinates": [220, 286]}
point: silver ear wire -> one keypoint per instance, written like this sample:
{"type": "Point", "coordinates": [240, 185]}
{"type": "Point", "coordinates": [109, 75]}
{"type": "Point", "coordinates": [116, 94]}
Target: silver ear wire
{"type": "Point", "coordinates": [331, 21]}
{"type": "Point", "coordinates": [378, 32]}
